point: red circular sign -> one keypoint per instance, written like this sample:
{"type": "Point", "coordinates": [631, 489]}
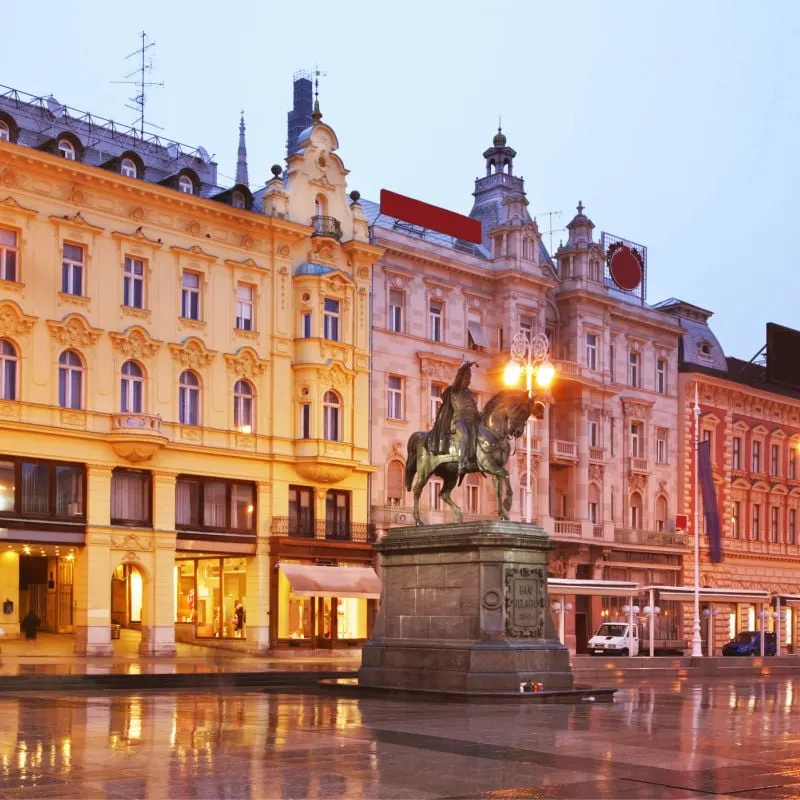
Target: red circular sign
{"type": "Point", "coordinates": [626, 270]}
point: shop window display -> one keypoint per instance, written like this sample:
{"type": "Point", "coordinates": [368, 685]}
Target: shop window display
{"type": "Point", "coordinates": [211, 593]}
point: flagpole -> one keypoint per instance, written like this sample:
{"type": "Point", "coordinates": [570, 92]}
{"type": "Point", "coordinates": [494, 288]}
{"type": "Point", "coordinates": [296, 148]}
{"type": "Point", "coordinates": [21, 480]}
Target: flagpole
{"type": "Point", "coordinates": [697, 644]}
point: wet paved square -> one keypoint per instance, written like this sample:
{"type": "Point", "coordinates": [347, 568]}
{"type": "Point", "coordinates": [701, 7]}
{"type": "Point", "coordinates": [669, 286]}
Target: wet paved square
{"type": "Point", "coordinates": [715, 739]}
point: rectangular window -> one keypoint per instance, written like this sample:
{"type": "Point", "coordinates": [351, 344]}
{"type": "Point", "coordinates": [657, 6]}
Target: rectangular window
{"type": "Point", "coordinates": [133, 283]}
{"type": "Point", "coordinates": [756, 456]}
{"type": "Point", "coordinates": [436, 501]}
{"type": "Point", "coordinates": [42, 488]}
{"type": "Point", "coordinates": [8, 255]}
{"type": "Point", "coordinates": [791, 536]}
{"type": "Point", "coordinates": [337, 515]}
{"type": "Point", "coordinates": [755, 531]}
{"type": "Point", "coordinates": [773, 524]}
{"type": "Point", "coordinates": [736, 455]}
{"type": "Point", "coordinates": [661, 445]}
{"type": "Point", "coordinates": [636, 440]}
{"type": "Point", "coordinates": [130, 497]}
{"type": "Point", "coordinates": [331, 320]}
{"type": "Point", "coordinates": [435, 321]}
{"type": "Point", "coordinates": [633, 369]}
{"type": "Point", "coordinates": [775, 460]}
{"type": "Point", "coordinates": [244, 307]}
{"type": "Point", "coordinates": [792, 463]}
{"type": "Point", "coordinates": [594, 431]}
{"type": "Point", "coordinates": [591, 350]}
{"type": "Point", "coordinates": [306, 322]}
{"type": "Point", "coordinates": [396, 304]}
{"type": "Point", "coordinates": [472, 498]}
{"type": "Point", "coordinates": [395, 395]}
{"type": "Point", "coordinates": [661, 376]}
{"type": "Point", "coordinates": [190, 295]}
{"type": "Point", "coordinates": [611, 367]}
{"type": "Point", "coordinates": [736, 520]}
{"type": "Point", "coordinates": [72, 270]}
{"type": "Point", "coordinates": [526, 327]}
{"type": "Point", "coordinates": [305, 421]}
{"type": "Point", "coordinates": [435, 400]}
{"type": "Point", "coordinates": [612, 434]}
{"type": "Point", "coordinates": [475, 337]}
{"type": "Point", "coordinates": [214, 504]}
{"type": "Point", "coordinates": [301, 511]}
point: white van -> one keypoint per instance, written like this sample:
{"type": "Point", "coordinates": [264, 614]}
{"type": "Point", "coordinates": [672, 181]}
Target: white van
{"type": "Point", "coordinates": [611, 638]}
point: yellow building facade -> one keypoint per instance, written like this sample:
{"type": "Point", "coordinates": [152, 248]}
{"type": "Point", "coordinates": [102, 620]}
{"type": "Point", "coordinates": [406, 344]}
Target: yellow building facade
{"type": "Point", "coordinates": [185, 394]}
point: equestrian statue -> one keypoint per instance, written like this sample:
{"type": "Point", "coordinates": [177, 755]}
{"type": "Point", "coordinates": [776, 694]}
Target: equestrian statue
{"type": "Point", "coordinates": [465, 440]}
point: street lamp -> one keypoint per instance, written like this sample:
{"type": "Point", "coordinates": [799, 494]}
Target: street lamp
{"type": "Point", "coordinates": [561, 609]}
{"type": "Point", "coordinates": [529, 355]}
{"type": "Point", "coordinates": [652, 612]}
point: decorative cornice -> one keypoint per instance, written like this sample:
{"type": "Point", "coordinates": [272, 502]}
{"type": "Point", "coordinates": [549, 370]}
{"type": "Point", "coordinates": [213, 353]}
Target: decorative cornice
{"type": "Point", "coordinates": [195, 251]}
{"type": "Point", "coordinates": [138, 237]}
{"type": "Point", "coordinates": [136, 342]}
{"type": "Point", "coordinates": [73, 331]}
{"type": "Point", "coordinates": [10, 204]}
{"type": "Point", "coordinates": [246, 364]}
{"type": "Point", "coordinates": [77, 221]}
{"type": "Point", "coordinates": [13, 322]}
{"type": "Point", "coordinates": [192, 354]}
{"type": "Point", "coordinates": [247, 263]}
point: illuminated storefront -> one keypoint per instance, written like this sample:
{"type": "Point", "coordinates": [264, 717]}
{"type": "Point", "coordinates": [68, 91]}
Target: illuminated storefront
{"type": "Point", "coordinates": [211, 594]}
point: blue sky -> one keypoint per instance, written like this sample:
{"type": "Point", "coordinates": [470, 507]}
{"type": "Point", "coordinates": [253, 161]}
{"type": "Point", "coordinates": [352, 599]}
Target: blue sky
{"type": "Point", "coordinates": [675, 122]}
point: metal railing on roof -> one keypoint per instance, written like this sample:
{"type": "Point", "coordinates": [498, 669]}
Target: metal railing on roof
{"type": "Point", "coordinates": [50, 108]}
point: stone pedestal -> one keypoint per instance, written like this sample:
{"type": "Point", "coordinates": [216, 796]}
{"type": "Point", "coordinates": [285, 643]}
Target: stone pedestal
{"type": "Point", "coordinates": [464, 608]}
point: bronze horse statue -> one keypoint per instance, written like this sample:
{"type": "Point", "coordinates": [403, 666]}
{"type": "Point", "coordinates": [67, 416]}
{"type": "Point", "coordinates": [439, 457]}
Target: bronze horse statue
{"type": "Point", "coordinates": [503, 418]}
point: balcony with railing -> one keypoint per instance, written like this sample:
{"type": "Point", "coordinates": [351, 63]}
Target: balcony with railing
{"type": "Point", "coordinates": [640, 465]}
{"type": "Point", "coordinates": [570, 528]}
{"type": "Point", "coordinates": [326, 226]}
{"type": "Point", "coordinates": [563, 451]}
{"type": "Point", "coordinates": [650, 539]}
{"type": "Point", "coordinates": [323, 530]}
{"type": "Point", "coordinates": [136, 437]}
{"type": "Point", "coordinates": [597, 454]}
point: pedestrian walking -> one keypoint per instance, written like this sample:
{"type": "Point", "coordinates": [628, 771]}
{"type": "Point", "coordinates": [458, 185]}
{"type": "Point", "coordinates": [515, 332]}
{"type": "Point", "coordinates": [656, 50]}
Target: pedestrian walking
{"type": "Point", "coordinates": [30, 625]}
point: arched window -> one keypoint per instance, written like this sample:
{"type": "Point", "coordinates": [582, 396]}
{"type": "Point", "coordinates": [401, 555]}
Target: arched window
{"type": "Point", "coordinates": [5, 131]}
{"type": "Point", "coordinates": [331, 422]}
{"type": "Point", "coordinates": [636, 511]}
{"type": "Point", "coordinates": [662, 513]}
{"type": "Point", "coordinates": [185, 184]}
{"type": "Point", "coordinates": [8, 370]}
{"type": "Point", "coordinates": [243, 406]}
{"type": "Point", "coordinates": [237, 200]}
{"type": "Point", "coordinates": [394, 483]}
{"type": "Point", "coordinates": [66, 149]}
{"type": "Point", "coordinates": [128, 168]}
{"type": "Point", "coordinates": [70, 380]}
{"type": "Point", "coordinates": [189, 399]}
{"type": "Point", "coordinates": [131, 399]}
{"type": "Point", "coordinates": [320, 205]}
{"type": "Point", "coordinates": [594, 504]}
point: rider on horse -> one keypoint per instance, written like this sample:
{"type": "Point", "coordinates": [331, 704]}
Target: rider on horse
{"type": "Point", "coordinates": [459, 414]}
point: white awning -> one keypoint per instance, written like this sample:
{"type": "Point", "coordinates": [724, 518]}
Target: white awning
{"type": "Point", "coordinates": [590, 587]}
{"type": "Point", "coordinates": [685, 594]}
{"type": "Point", "coordinates": [476, 332]}
{"type": "Point", "coordinates": [309, 580]}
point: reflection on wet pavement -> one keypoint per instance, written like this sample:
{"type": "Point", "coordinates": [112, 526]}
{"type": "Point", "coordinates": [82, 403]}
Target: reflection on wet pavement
{"type": "Point", "coordinates": [667, 740]}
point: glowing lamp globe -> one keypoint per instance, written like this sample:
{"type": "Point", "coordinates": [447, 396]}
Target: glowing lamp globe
{"type": "Point", "coordinates": [545, 374]}
{"type": "Point", "coordinates": [511, 373]}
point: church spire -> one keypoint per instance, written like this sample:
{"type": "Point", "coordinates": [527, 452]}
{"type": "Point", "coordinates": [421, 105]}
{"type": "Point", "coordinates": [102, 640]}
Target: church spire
{"type": "Point", "coordinates": [241, 161]}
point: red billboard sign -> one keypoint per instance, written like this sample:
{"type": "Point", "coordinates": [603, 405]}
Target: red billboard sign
{"type": "Point", "coordinates": [427, 216]}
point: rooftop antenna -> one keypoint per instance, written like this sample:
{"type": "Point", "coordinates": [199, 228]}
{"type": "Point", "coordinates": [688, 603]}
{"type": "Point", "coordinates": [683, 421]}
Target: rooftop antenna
{"type": "Point", "coordinates": [140, 99]}
{"type": "Point", "coordinates": [552, 230]}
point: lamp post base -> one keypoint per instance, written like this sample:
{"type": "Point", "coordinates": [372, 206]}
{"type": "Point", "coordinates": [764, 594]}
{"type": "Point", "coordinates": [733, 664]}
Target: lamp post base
{"type": "Point", "coordinates": [697, 642]}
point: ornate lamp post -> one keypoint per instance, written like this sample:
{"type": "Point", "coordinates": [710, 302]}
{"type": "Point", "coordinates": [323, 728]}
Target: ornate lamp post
{"type": "Point", "coordinates": [529, 355]}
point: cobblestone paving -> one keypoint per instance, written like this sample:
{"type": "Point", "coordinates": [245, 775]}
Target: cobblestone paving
{"type": "Point", "coordinates": [716, 739]}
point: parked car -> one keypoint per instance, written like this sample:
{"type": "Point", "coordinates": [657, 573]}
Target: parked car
{"type": "Point", "coordinates": [748, 643]}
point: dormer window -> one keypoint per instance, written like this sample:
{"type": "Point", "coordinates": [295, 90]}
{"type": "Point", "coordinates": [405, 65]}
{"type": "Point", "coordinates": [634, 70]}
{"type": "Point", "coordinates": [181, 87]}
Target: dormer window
{"type": "Point", "coordinates": [186, 186]}
{"type": "Point", "coordinates": [705, 349]}
{"type": "Point", "coordinates": [66, 149]}
{"type": "Point", "coordinates": [5, 132]}
{"type": "Point", "coordinates": [127, 168]}
{"type": "Point", "coordinates": [237, 200]}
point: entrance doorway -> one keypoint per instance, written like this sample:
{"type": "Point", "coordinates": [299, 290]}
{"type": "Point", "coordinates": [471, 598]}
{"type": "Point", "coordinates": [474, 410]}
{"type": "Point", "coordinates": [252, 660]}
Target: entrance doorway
{"type": "Point", "coordinates": [127, 592]}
